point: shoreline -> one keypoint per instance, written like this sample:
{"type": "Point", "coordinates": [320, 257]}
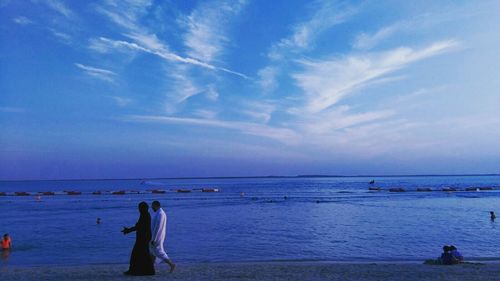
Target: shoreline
{"type": "Point", "coordinates": [277, 270]}
{"type": "Point", "coordinates": [486, 260]}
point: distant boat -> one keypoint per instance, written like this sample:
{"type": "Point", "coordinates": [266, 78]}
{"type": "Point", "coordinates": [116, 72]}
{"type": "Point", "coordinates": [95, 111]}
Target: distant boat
{"type": "Point", "coordinates": [97, 192]}
{"type": "Point", "coordinates": [424, 189]}
{"type": "Point", "coordinates": [372, 182]}
{"type": "Point", "coordinates": [449, 189]}
{"type": "Point", "coordinates": [209, 190]}
{"type": "Point", "coordinates": [471, 189]}
{"type": "Point", "coordinates": [183, 190]}
{"type": "Point", "coordinates": [3, 194]}
{"type": "Point", "coordinates": [21, 193]}
{"type": "Point", "coordinates": [486, 188]}
{"type": "Point", "coordinates": [374, 188]}
{"type": "Point", "coordinates": [156, 191]}
{"type": "Point", "coordinates": [74, 192]}
{"type": "Point", "coordinates": [121, 192]}
{"type": "Point", "coordinates": [46, 193]}
{"type": "Point", "coordinates": [397, 189]}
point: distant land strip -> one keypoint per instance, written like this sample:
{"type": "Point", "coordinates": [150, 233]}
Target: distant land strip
{"type": "Point", "coordinates": [264, 177]}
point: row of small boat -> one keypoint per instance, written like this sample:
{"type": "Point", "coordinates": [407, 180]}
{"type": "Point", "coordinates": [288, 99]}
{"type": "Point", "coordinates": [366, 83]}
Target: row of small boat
{"type": "Point", "coordinates": [428, 189]}
{"type": "Point", "coordinates": [119, 192]}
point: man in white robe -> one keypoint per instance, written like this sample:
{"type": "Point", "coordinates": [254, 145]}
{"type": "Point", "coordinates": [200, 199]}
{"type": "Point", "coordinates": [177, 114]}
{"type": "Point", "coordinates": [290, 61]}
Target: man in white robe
{"type": "Point", "coordinates": [158, 233]}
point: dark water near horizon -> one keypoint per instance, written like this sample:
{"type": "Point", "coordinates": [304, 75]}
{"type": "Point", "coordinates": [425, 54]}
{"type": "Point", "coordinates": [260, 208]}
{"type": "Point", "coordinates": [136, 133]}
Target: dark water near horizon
{"type": "Point", "coordinates": [348, 224]}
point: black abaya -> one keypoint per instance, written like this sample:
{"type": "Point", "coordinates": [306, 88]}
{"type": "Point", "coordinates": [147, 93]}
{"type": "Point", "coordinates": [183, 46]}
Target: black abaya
{"type": "Point", "coordinates": [140, 259]}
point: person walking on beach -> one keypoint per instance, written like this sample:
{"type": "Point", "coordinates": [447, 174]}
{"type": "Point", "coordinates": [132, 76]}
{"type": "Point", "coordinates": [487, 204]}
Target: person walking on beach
{"type": "Point", "coordinates": [141, 262]}
{"type": "Point", "coordinates": [158, 229]}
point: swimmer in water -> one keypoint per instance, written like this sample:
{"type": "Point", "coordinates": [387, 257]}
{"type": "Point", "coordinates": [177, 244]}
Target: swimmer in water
{"type": "Point", "coordinates": [492, 216]}
{"type": "Point", "coordinates": [6, 242]}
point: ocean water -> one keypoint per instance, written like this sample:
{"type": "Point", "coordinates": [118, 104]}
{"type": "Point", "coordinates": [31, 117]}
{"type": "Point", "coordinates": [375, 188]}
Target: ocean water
{"type": "Point", "coordinates": [330, 219]}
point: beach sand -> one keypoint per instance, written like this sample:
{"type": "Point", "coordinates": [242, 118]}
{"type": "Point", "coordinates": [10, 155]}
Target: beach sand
{"type": "Point", "coordinates": [288, 271]}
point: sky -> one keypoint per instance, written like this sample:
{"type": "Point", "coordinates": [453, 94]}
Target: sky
{"type": "Point", "coordinates": [142, 88]}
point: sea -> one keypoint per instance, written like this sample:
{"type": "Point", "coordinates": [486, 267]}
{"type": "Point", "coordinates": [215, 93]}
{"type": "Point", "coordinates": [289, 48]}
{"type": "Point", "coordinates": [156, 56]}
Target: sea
{"type": "Point", "coordinates": [255, 219]}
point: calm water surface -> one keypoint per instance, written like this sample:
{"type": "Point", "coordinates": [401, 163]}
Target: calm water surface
{"type": "Point", "coordinates": [348, 224]}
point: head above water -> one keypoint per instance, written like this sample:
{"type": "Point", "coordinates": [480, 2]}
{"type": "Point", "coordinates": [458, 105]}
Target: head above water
{"type": "Point", "coordinates": [143, 208]}
{"type": "Point", "coordinates": [452, 248]}
{"type": "Point", "coordinates": [6, 235]}
{"type": "Point", "coordinates": [155, 205]}
{"type": "Point", "coordinates": [446, 248]}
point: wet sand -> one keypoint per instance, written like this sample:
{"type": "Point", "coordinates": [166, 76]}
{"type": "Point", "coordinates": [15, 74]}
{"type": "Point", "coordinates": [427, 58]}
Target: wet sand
{"type": "Point", "coordinates": [286, 271]}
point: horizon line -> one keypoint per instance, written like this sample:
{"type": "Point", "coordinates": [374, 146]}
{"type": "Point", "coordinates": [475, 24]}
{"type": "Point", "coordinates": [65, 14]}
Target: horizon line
{"type": "Point", "coordinates": [256, 177]}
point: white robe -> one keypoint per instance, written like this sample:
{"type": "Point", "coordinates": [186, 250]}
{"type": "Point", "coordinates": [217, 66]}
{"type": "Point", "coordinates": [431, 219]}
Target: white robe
{"type": "Point", "coordinates": [158, 232]}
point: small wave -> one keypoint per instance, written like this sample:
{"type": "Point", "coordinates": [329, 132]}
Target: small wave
{"type": "Point", "coordinates": [23, 248]}
{"type": "Point", "coordinates": [155, 183]}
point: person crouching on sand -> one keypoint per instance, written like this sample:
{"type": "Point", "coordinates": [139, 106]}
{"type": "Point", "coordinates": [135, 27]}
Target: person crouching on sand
{"type": "Point", "coordinates": [446, 257]}
{"type": "Point", "coordinates": [456, 254]}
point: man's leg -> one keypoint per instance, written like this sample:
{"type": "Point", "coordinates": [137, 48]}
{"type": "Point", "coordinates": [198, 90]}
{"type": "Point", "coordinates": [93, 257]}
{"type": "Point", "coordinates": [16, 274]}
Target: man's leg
{"type": "Point", "coordinates": [171, 264]}
{"type": "Point", "coordinates": [164, 257]}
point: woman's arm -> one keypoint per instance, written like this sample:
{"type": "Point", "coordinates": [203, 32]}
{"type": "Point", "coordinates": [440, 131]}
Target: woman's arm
{"type": "Point", "coordinates": [127, 230]}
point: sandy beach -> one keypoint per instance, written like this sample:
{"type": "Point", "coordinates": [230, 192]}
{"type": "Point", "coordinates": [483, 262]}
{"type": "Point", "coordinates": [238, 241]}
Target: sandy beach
{"type": "Point", "coordinates": [288, 271]}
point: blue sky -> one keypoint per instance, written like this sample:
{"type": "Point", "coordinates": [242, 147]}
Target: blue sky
{"type": "Point", "coordinates": [140, 88]}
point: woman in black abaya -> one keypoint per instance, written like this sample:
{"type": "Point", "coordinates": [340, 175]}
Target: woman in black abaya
{"type": "Point", "coordinates": [140, 259]}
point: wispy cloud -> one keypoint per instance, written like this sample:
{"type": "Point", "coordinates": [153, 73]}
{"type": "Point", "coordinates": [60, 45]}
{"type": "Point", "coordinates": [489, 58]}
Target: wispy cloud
{"type": "Point", "coordinates": [327, 14]}
{"type": "Point", "coordinates": [339, 118]}
{"type": "Point", "coordinates": [326, 82]}
{"type": "Point", "coordinates": [260, 111]}
{"type": "Point", "coordinates": [60, 8]}
{"type": "Point", "coordinates": [99, 73]}
{"type": "Point", "coordinates": [415, 98]}
{"type": "Point", "coordinates": [125, 13]}
{"type": "Point", "coordinates": [106, 44]}
{"type": "Point", "coordinates": [212, 92]}
{"type": "Point", "coordinates": [121, 101]}
{"type": "Point", "coordinates": [127, 16]}
{"type": "Point", "coordinates": [181, 88]}
{"type": "Point", "coordinates": [268, 78]}
{"type": "Point", "coordinates": [367, 41]}
{"type": "Point", "coordinates": [205, 114]}
{"type": "Point", "coordinates": [283, 135]}
{"type": "Point", "coordinates": [206, 27]}
{"type": "Point", "coordinates": [21, 20]}
{"type": "Point", "coordinates": [63, 37]}
{"type": "Point", "coordinates": [419, 23]}
{"type": "Point", "coordinates": [204, 38]}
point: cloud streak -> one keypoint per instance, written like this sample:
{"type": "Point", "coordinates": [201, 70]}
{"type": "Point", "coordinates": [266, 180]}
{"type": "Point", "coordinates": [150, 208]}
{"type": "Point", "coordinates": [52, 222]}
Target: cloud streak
{"type": "Point", "coordinates": [327, 15]}
{"type": "Point", "coordinates": [283, 135]}
{"type": "Point", "coordinates": [21, 20]}
{"type": "Point", "coordinates": [326, 82]}
{"type": "Point", "coordinates": [60, 8]}
{"type": "Point", "coordinates": [99, 73]}
{"type": "Point", "coordinates": [206, 25]}
{"type": "Point", "coordinates": [121, 101]}
{"type": "Point", "coordinates": [105, 44]}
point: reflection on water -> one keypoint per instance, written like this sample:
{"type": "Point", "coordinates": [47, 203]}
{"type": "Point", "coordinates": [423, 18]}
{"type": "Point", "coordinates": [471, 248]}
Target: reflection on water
{"type": "Point", "coordinates": [274, 219]}
{"type": "Point", "coordinates": [5, 255]}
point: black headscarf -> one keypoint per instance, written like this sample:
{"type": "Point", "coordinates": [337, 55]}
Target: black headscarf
{"type": "Point", "coordinates": [143, 208]}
